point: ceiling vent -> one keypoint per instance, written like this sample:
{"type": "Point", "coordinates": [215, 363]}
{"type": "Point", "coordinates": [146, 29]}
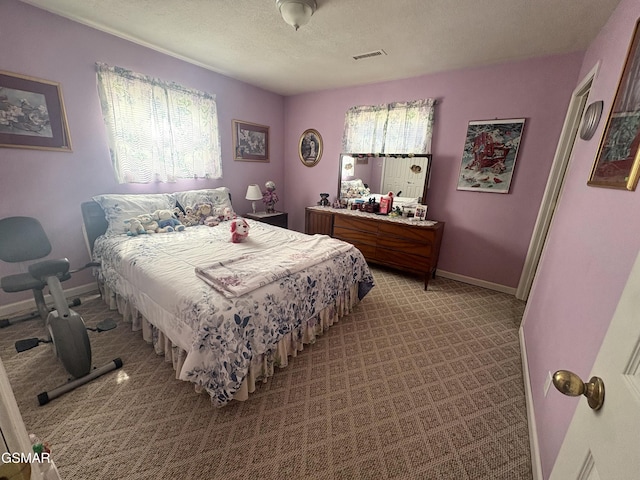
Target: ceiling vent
{"type": "Point", "coordinates": [376, 53]}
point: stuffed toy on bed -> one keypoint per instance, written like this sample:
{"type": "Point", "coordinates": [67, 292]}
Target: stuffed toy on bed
{"type": "Point", "coordinates": [148, 223]}
{"type": "Point", "coordinates": [190, 219]}
{"type": "Point", "coordinates": [239, 230]}
{"type": "Point", "coordinates": [134, 227]}
{"type": "Point", "coordinates": [167, 222]}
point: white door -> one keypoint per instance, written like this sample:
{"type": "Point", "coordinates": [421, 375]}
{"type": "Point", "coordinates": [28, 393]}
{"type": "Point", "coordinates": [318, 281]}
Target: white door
{"type": "Point", "coordinates": [605, 444]}
{"type": "Point", "coordinates": [405, 175]}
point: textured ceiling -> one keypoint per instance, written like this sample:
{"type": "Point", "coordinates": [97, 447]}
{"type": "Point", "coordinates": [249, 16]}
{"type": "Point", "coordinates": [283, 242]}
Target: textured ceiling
{"type": "Point", "coordinates": [249, 41]}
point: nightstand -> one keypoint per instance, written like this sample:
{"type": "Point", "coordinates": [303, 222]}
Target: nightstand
{"type": "Point", "coordinates": [279, 219]}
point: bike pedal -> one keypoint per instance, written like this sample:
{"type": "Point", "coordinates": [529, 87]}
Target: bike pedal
{"type": "Point", "coordinates": [27, 344]}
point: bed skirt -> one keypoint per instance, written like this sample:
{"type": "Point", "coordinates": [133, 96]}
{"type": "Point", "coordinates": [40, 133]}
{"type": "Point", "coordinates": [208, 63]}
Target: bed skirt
{"type": "Point", "coordinates": [262, 366]}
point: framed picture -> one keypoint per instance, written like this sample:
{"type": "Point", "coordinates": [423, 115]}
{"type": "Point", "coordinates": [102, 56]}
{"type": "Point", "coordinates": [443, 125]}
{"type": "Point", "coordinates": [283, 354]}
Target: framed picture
{"type": "Point", "coordinates": [490, 153]}
{"type": "Point", "coordinates": [250, 142]}
{"type": "Point", "coordinates": [421, 212]}
{"type": "Point", "coordinates": [617, 164]}
{"type": "Point", "coordinates": [32, 113]}
{"type": "Point", "coordinates": [310, 147]}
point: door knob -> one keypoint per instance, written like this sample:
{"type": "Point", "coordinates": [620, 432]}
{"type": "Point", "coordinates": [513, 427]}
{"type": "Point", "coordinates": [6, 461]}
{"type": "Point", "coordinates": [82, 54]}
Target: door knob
{"type": "Point", "coordinates": [568, 383]}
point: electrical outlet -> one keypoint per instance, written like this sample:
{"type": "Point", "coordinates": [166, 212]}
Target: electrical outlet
{"type": "Point", "coordinates": [547, 383]}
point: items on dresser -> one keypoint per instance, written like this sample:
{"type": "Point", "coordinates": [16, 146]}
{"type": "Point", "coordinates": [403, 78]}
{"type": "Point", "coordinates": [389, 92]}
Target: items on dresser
{"type": "Point", "coordinates": [397, 242]}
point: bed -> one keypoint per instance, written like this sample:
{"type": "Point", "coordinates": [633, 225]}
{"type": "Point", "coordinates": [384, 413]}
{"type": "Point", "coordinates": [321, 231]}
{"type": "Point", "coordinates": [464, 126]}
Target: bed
{"type": "Point", "coordinates": [225, 314]}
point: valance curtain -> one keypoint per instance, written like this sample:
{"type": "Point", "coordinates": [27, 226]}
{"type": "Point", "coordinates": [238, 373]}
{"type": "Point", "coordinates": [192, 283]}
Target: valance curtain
{"type": "Point", "coordinates": [158, 131]}
{"type": "Point", "coordinates": [402, 127]}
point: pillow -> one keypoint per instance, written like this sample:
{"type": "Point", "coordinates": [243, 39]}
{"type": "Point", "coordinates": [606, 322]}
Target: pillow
{"type": "Point", "coordinates": [118, 208]}
{"type": "Point", "coordinates": [217, 197]}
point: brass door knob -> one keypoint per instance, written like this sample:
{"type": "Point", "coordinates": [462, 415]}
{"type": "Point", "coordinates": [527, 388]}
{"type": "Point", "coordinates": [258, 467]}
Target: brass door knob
{"type": "Point", "coordinates": [568, 383]}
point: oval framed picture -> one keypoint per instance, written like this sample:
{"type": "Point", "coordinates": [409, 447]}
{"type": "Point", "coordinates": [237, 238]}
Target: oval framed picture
{"type": "Point", "coordinates": [310, 147]}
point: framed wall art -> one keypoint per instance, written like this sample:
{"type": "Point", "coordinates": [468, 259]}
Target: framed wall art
{"type": "Point", "coordinates": [489, 156]}
{"type": "Point", "coordinates": [32, 113]}
{"type": "Point", "coordinates": [310, 147]}
{"type": "Point", "coordinates": [250, 142]}
{"type": "Point", "coordinates": [617, 163]}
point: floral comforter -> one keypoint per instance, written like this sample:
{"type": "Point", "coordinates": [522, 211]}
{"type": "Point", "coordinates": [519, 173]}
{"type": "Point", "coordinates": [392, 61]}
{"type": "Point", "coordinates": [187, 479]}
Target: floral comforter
{"type": "Point", "coordinates": [156, 273]}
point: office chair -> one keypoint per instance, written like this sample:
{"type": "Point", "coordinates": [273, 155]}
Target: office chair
{"type": "Point", "coordinates": [23, 239]}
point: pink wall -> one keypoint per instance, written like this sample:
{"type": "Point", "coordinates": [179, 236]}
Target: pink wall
{"type": "Point", "coordinates": [593, 242]}
{"type": "Point", "coordinates": [486, 235]}
{"type": "Point", "coordinates": [51, 185]}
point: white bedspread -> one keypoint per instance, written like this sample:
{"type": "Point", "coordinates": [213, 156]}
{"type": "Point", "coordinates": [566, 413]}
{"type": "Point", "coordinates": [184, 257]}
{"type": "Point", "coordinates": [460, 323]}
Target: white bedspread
{"type": "Point", "coordinates": [245, 273]}
{"type": "Point", "coordinates": [157, 275]}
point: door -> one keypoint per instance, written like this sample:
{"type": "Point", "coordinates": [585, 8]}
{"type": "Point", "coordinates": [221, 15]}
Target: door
{"type": "Point", "coordinates": [405, 176]}
{"type": "Point", "coordinates": [604, 444]}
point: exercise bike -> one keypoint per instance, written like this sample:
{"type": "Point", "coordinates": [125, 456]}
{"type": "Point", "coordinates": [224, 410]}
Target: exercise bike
{"type": "Point", "coordinates": [23, 239]}
{"type": "Point", "coordinates": [67, 332]}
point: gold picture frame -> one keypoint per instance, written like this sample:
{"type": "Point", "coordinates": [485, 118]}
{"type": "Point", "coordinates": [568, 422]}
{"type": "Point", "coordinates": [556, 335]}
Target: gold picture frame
{"type": "Point", "coordinates": [250, 142]}
{"type": "Point", "coordinates": [310, 147]}
{"type": "Point", "coordinates": [617, 163]}
{"type": "Point", "coordinates": [33, 114]}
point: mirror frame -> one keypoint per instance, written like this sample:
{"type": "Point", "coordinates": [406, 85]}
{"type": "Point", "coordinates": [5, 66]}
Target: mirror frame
{"type": "Point", "coordinates": [427, 180]}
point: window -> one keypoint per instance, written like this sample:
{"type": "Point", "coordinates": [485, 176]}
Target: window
{"type": "Point", "coordinates": [402, 127]}
{"type": "Point", "coordinates": [158, 131]}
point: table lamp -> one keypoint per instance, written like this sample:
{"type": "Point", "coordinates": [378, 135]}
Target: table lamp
{"type": "Point", "coordinates": [253, 193]}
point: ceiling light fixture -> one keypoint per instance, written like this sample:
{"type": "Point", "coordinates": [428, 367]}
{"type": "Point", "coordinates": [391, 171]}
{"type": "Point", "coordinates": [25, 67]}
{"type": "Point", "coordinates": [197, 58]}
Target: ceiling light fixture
{"type": "Point", "coordinates": [296, 12]}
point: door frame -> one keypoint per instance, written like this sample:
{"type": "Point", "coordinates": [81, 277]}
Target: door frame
{"type": "Point", "coordinates": [555, 182]}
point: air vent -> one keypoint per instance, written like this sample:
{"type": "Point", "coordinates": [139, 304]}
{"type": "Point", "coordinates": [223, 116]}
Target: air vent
{"type": "Point", "coordinates": [377, 53]}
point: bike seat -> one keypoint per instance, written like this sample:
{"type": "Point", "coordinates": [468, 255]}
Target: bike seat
{"type": "Point", "coordinates": [48, 268]}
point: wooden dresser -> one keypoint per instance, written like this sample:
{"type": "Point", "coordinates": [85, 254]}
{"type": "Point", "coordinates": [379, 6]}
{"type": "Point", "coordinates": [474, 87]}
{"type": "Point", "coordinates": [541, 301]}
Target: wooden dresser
{"type": "Point", "coordinates": [410, 246]}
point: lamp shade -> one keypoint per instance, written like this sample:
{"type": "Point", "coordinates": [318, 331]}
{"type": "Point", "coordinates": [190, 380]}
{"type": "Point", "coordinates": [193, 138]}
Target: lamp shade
{"type": "Point", "coordinates": [253, 192]}
{"type": "Point", "coordinates": [296, 12]}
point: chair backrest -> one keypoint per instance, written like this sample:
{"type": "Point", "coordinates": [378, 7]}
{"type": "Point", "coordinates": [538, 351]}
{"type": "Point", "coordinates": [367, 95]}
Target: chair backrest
{"type": "Point", "coordinates": [22, 239]}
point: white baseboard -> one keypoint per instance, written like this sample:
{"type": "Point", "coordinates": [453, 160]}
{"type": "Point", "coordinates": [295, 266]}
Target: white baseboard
{"type": "Point", "coordinates": [536, 465]}
{"type": "Point", "coordinates": [26, 305]}
{"type": "Point", "coordinates": [477, 282]}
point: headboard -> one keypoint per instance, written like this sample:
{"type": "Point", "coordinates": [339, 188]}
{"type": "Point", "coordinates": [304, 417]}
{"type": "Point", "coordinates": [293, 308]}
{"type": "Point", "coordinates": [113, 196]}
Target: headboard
{"type": "Point", "coordinates": [95, 223]}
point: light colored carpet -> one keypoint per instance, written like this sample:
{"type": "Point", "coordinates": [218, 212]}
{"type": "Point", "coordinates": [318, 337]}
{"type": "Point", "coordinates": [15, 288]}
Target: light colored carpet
{"type": "Point", "coordinates": [411, 385]}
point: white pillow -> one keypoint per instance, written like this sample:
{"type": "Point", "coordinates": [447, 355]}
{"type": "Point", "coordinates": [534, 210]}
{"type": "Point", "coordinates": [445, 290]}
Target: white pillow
{"type": "Point", "coordinates": [118, 208]}
{"type": "Point", "coordinates": [218, 197]}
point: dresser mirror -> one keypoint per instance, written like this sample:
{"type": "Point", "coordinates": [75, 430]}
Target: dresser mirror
{"type": "Point", "coordinates": [366, 176]}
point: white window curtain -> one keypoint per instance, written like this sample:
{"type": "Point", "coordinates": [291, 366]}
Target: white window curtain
{"type": "Point", "coordinates": [402, 127]}
{"type": "Point", "coordinates": [158, 131]}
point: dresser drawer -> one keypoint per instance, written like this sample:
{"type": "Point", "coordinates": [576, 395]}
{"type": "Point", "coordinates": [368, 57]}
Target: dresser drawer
{"type": "Point", "coordinates": [407, 261]}
{"type": "Point", "coordinates": [421, 249]}
{"type": "Point", "coordinates": [419, 234]}
{"type": "Point", "coordinates": [355, 223]}
{"type": "Point", "coordinates": [353, 236]}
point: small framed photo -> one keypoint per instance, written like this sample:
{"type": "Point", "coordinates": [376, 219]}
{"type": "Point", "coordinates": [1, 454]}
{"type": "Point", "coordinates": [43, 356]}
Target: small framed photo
{"type": "Point", "coordinates": [32, 113]}
{"type": "Point", "coordinates": [421, 212]}
{"type": "Point", "coordinates": [250, 142]}
{"type": "Point", "coordinates": [310, 147]}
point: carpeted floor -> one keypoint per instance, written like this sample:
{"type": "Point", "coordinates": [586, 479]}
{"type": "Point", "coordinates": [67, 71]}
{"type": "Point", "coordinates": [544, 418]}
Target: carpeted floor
{"type": "Point", "coordinates": [411, 385]}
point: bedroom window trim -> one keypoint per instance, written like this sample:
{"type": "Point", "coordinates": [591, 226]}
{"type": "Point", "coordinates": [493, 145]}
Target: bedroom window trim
{"type": "Point", "coordinates": [158, 131]}
{"type": "Point", "coordinates": [394, 128]}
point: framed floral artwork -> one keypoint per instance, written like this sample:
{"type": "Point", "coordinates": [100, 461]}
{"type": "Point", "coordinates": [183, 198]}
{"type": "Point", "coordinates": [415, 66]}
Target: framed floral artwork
{"type": "Point", "coordinates": [250, 142]}
{"type": "Point", "coordinates": [617, 163]}
{"type": "Point", "coordinates": [32, 113]}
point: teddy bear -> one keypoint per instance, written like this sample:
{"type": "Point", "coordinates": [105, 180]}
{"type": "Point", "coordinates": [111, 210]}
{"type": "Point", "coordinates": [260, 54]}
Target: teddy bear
{"type": "Point", "coordinates": [134, 227]}
{"type": "Point", "coordinates": [167, 222]}
{"type": "Point", "coordinates": [239, 230]}
{"type": "Point", "coordinates": [147, 222]}
{"type": "Point", "coordinates": [190, 219]}
{"type": "Point", "coordinates": [324, 200]}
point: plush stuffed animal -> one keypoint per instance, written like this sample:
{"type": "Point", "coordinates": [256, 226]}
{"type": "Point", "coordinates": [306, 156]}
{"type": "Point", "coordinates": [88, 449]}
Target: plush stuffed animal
{"type": "Point", "coordinates": [203, 211]}
{"type": "Point", "coordinates": [134, 227]}
{"type": "Point", "coordinates": [148, 223]}
{"type": "Point", "coordinates": [167, 222]}
{"type": "Point", "coordinates": [190, 218]}
{"type": "Point", "coordinates": [239, 230]}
